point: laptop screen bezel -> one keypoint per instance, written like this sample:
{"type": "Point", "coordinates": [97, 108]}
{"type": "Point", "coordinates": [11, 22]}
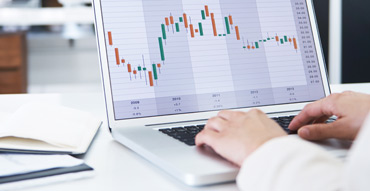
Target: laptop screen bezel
{"type": "Point", "coordinates": [112, 122]}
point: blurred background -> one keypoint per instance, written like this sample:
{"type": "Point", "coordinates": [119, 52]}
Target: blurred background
{"type": "Point", "coordinates": [48, 46]}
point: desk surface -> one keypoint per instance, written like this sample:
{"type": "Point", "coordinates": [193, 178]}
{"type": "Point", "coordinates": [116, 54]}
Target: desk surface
{"type": "Point", "coordinates": [117, 167]}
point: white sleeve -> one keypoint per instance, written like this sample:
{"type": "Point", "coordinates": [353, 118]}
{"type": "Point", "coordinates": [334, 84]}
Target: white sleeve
{"type": "Point", "coordinates": [289, 163]}
{"type": "Point", "coordinates": [357, 170]}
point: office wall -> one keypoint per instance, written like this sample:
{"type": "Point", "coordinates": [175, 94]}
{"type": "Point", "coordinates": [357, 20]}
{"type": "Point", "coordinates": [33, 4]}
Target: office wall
{"type": "Point", "coordinates": [356, 41]}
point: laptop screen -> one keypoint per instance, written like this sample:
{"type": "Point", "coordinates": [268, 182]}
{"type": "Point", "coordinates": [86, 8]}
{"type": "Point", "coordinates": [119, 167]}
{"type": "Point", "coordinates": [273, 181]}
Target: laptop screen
{"type": "Point", "coordinates": [183, 56]}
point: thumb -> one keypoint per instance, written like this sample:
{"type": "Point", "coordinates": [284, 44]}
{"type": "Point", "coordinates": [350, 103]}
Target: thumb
{"type": "Point", "coordinates": [315, 132]}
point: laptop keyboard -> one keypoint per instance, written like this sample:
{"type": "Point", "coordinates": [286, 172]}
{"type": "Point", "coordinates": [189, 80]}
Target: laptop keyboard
{"type": "Point", "coordinates": [184, 134]}
{"type": "Point", "coordinates": [284, 123]}
{"type": "Point", "coordinates": [187, 134]}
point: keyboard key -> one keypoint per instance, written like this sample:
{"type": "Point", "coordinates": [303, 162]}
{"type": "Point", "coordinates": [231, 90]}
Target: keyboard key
{"type": "Point", "coordinates": [194, 132]}
{"type": "Point", "coordinates": [331, 119]}
{"type": "Point", "coordinates": [179, 129]}
{"type": "Point", "coordinates": [285, 119]}
{"type": "Point", "coordinates": [167, 131]}
{"type": "Point", "coordinates": [192, 128]}
{"type": "Point", "coordinates": [188, 127]}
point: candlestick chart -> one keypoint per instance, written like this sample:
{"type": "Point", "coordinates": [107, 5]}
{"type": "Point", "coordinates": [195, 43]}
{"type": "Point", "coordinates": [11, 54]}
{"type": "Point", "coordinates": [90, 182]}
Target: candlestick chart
{"type": "Point", "coordinates": [176, 22]}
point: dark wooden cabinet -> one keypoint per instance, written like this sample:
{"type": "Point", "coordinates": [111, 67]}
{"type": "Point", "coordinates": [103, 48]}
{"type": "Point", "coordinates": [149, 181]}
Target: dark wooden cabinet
{"type": "Point", "coordinates": [50, 3]}
{"type": "Point", "coordinates": [13, 63]}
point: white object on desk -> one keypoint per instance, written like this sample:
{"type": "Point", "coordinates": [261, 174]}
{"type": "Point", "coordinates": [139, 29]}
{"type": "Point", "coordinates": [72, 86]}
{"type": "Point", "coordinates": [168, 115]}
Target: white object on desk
{"type": "Point", "coordinates": [44, 127]}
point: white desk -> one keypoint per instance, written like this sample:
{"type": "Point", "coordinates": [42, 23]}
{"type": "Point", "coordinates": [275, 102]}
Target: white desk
{"type": "Point", "coordinates": [118, 168]}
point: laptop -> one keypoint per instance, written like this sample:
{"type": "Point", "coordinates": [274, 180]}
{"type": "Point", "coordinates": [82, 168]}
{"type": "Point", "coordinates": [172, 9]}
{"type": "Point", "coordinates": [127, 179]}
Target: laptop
{"type": "Point", "coordinates": [169, 65]}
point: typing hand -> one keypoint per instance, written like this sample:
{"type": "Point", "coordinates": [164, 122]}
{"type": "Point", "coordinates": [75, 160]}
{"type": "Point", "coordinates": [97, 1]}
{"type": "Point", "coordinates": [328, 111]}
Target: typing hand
{"type": "Point", "coordinates": [350, 108]}
{"type": "Point", "coordinates": [235, 135]}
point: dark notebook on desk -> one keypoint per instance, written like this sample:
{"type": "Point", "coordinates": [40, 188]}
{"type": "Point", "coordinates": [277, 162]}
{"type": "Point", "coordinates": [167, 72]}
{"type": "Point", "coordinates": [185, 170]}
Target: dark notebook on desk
{"type": "Point", "coordinates": [24, 170]}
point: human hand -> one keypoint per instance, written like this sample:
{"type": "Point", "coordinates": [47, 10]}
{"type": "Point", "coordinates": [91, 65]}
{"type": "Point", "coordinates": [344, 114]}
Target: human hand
{"type": "Point", "coordinates": [351, 109]}
{"type": "Point", "coordinates": [235, 135]}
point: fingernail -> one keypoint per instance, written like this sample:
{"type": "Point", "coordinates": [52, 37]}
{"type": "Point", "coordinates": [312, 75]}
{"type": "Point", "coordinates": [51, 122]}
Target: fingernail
{"type": "Point", "coordinates": [304, 132]}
